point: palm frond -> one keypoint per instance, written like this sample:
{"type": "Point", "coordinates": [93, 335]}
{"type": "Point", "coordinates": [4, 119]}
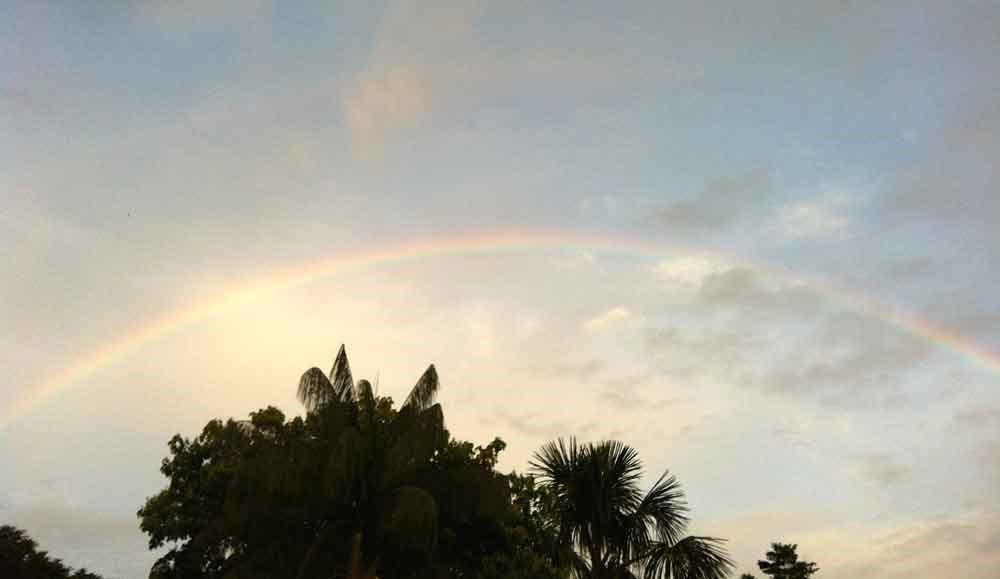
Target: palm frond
{"type": "Point", "coordinates": [340, 376]}
{"type": "Point", "coordinates": [423, 392]}
{"type": "Point", "coordinates": [691, 558]}
{"type": "Point", "coordinates": [556, 461]}
{"type": "Point", "coordinates": [617, 468]}
{"type": "Point", "coordinates": [315, 389]}
{"type": "Point", "coordinates": [662, 509]}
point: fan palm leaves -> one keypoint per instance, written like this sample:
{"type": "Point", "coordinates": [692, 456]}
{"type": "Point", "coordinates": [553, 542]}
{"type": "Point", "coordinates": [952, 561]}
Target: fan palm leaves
{"type": "Point", "coordinates": [615, 530]}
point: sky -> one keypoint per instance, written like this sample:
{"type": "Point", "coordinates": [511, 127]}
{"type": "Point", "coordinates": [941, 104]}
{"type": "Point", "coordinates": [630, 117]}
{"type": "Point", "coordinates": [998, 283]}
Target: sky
{"type": "Point", "coordinates": [760, 242]}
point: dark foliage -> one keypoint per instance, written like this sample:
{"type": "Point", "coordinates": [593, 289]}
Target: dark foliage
{"type": "Point", "coordinates": [357, 488]}
{"type": "Point", "coordinates": [360, 489]}
{"type": "Point", "coordinates": [610, 529]}
{"type": "Point", "coordinates": [21, 559]}
{"type": "Point", "coordinates": [782, 562]}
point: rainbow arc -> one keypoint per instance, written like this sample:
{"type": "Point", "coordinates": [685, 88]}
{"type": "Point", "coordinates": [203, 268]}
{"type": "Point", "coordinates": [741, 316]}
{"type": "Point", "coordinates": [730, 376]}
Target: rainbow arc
{"type": "Point", "coordinates": [288, 277]}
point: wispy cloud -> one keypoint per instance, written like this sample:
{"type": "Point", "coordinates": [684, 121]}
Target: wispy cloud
{"type": "Point", "coordinates": [823, 215]}
{"type": "Point", "coordinates": [588, 369]}
{"type": "Point", "coordinates": [965, 545]}
{"type": "Point", "coordinates": [848, 362]}
{"type": "Point", "coordinates": [689, 270]}
{"type": "Point", "coordinates": [722, 202]}
{"type": "Point", "coordinates": [800, 220]}
{"type": "Point", "coordinates": [599, 322]}
{"type": "Point", "coordinates": [978, 418]}
{"type": "Point", "coordinates": [422, 54]}
{"type": "Point", "coordinates": [882, 469]}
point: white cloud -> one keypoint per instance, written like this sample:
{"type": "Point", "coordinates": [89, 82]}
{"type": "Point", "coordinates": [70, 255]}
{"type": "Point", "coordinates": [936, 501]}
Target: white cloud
{"type": "Point", "coordinates": [382, 101]}
{"type": "Point", "coordinates": [800, 220]}
{"type": "Point", "coordinates": [609, 317]}
{"type": "Point", "coordinates": [824, 214]}
{"type": "Point", "coordinates": [689, 270]}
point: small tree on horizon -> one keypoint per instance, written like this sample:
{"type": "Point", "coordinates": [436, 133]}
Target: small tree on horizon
{"type": "Point", "coordinates": [783, 563]}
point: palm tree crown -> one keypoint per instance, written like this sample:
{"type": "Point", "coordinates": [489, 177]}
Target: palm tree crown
{"type": "Point", "coordinates": [611, 528]}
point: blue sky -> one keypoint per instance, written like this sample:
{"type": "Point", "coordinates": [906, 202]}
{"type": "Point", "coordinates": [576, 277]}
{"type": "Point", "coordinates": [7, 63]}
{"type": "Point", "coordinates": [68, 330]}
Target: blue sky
{"type": "Point", "coordinates": [152, 153]}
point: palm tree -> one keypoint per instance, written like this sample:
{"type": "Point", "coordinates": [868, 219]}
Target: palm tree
{"type": "Point", "coordinates": [614, 531]}
{"type": "Point", "coordinates": [373, 479]}
{"type": "Point", "coordinates": [363, 491]}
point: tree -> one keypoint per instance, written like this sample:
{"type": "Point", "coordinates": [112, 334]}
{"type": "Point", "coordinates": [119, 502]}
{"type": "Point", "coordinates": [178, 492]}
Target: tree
{"type": "Point", "coordinates": [532, 549]}
{"type": "Point", "coordinates": [356, 488]}
{"type": "Point", "coordinates": [20, 558]}
{"type": "Point", "coordinates": [783, 563]}
{"type": "Point", "coordinates": [614, 531]}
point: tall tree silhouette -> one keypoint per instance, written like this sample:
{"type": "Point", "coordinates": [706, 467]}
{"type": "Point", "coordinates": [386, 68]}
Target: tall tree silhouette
{"type": "Point", "coordinates": [357, 489]}
{"type": "Point", "coordinates": [782, 562]}
{"type": "Point", "coordinates": [616, 531]}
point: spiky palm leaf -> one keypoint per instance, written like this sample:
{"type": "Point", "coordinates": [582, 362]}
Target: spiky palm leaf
{"type": "Point", "coordinates": [690, 558]}
{"type": "Point", "coordinates": [616, 530]}
{"type": "Point", "coordinates": [661, 515]}
{"type": "Point", "coordinates": [340, 376]}
{"type": "Point", "coordinates": [315, 389]}
{"type": "Point", "coordinates": [424, 391]}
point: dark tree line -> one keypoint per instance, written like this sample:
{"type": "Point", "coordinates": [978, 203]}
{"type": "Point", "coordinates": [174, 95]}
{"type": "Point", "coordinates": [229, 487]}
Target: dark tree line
{"type": "Point", "coordinates": [21, 559]}
{"type": "Point", "coordinates": [362, 489]}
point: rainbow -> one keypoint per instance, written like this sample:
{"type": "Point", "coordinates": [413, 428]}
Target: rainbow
{"type": "Point", "coordinates": [289, 277]}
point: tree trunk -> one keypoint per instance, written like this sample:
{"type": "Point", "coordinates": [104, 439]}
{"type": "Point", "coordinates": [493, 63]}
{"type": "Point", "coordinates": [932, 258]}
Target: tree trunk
{"type": "Point", "coordinates": [354, 564]}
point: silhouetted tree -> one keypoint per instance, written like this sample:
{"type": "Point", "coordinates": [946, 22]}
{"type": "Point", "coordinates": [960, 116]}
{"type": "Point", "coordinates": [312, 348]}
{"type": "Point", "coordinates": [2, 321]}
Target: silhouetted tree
{"type": "Point", "coordinates": [783, 563]}
{"type": "Point", "coordinates": [612, 529]}
{"type": "Point", "coordinates": [356, 489]}
{"type": "Point", "coordinates": [533, 548]}
{"type": "Point", "coordinates": [21, 559]}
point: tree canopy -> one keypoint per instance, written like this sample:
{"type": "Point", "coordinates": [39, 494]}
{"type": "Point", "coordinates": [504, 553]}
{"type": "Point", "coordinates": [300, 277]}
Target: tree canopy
{"type": "Point", "coordinates": [359, 488]}
{"type": "Point", "coordinates": [21, 559]}
{"type": "Point", "coordinates": [782, 562]}
{"type": "Point", "coordinates": [356, 488]}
